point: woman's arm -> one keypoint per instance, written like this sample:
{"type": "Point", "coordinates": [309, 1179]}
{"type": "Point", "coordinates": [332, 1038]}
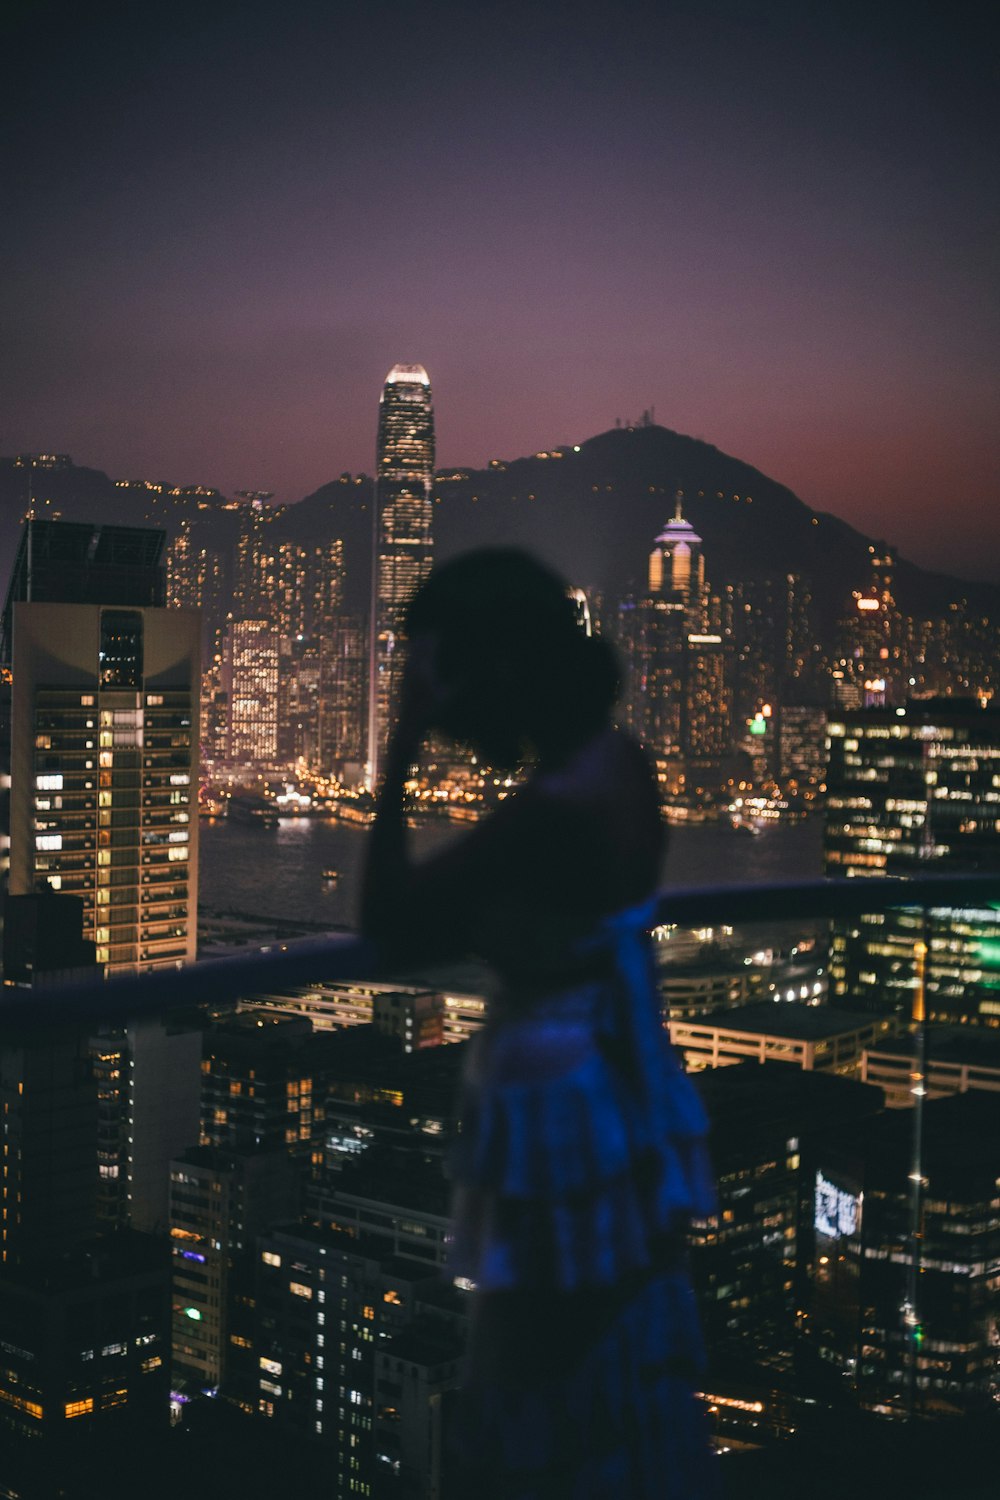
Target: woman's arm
{"type": "Point", "coordinates": [389, 870]}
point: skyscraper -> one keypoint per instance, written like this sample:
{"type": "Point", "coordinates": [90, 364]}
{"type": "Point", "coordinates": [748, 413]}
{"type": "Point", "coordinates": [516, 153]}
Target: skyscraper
{"type": "Point", "coordinates": [104, 738]}
{"type": "Point", "coordinates": [402, 545]}
{"type": "Point", "coordinates": [251, 680]}
{"type": "Point", "coordinates": [679, 698]}
{"type": "Point", "coordinates": [914, 790]}
{"type": "Point", "coordinates": [677, 564]}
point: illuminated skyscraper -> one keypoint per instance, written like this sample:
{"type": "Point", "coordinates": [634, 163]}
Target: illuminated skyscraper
{"type": "Point", "coordinates": [104, 738]}
{"type": "Point", "coordinates": [911, 791]}
{"type": "Point", "coordinates": [869, 669]}
{"type": "Point", "coordinates": [677, 565]}
{"type": "Point", "coordinates": [252, 684]}
{"type": "Point", "coordinates": [678, 700]}
{"type": "Point", "coordinates": [402, 545]}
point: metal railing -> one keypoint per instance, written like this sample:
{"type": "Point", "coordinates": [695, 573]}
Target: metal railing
{"type": "Point", "coordinates": [306, 961]}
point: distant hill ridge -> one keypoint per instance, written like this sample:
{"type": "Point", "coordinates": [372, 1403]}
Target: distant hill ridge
{"type": "Point", "coordinates": [593, 509]}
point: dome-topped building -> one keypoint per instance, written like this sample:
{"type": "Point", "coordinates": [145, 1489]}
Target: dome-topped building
{"type": "Point", "coordinates": [676, 563]}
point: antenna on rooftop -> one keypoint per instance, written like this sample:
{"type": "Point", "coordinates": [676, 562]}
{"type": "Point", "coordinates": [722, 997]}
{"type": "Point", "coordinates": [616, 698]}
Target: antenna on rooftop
{"type": "Point", "coordinates": [31, 525]}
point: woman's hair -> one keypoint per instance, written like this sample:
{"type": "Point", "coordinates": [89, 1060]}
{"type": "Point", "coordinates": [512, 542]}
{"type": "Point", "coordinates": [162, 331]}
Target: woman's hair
{"type": "Point", "coordinates": [500, 614]}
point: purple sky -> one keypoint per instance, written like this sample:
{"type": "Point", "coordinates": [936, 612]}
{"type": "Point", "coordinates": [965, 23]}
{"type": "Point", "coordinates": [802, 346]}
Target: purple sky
{"type": "Point", "coordinates": [778, 229]}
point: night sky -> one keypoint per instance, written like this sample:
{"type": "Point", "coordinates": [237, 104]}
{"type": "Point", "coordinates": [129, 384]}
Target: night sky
{"type": "Point", "coordinates": [777, 228]}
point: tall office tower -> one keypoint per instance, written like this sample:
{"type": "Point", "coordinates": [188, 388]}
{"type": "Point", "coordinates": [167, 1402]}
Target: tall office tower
{"type": "Point", "coordinates": [802, 742]}
{"type": "Point", "coordinates": [402, 542]}
{"type": "Point", "coordinates": [678, 698]}
{"type": "Point", "coordinates": [251, 551]}
{"type": "Point", "coordinates": [104, 738]}
{"type": "Point", "coordinates": [324, 588]}
{"type": "Point", "coordinates": [148, 1077]}
{"type": "Point", "coordinates": [708, 701]}
{"type": "Point", "coordinates": [250, 682]}
{"type": "Point", "coordinates": [860, 1328]}
{"type": "Point", "coordinates": [84, 1394]}
{"type": "Point", "coordinates": [801, 650]}
{"type": "Point", "coordinates": [345, 1359]}
{"type": "Point", "coordinates": [869, 666]}
{"type": "Point", "coordinates": [219, 1200]}
{"type": "Point", "coordinates": [677, 565]}
{"type": "Point", "coordinates": [911, 791]}
{"type": "Point", "coordinates": [639, 626]}
{"type": "Point", "coordinates": [342, 697]}
{"type": "Point", "coordinates": [299, 700]}
{"type": "Point", "coordinates": [750, 1260]}
{"type": "Point", "coordinates": [757, 614]}
{"type": "Point", "coordinates": [48, 1167]}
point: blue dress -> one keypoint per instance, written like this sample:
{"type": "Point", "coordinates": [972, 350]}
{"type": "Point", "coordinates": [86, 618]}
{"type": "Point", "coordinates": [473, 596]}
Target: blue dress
{"type": "Point", "coordinates": [581, 1161]}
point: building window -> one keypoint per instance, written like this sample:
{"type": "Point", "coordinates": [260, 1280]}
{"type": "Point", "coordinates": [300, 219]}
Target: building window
{"type": "Point", "coordinates": [120, 651]}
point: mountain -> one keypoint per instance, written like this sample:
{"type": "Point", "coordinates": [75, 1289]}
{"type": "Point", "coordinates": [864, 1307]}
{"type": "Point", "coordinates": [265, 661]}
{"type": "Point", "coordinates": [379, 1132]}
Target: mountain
{"type": "Point", "coordinates": [592, 509]}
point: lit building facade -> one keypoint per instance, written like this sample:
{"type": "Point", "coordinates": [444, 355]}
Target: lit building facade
{"type": "Point", "coordinates": [868, 671]}
{"type": "Point", "coordinates": [750, 1258]}
{"type": "Point", "coordinates": [402, 542]}
{"type": "Point", "coordinates": [252, 687]}
{"type": "Point", "coordinates": [84, 1365]}
{"type": "Point", "coordinates": [677, 564]}
{"type": "Point", "coordinates": [914, 791]}
{"type": "Point", "coordinates": [343, 697]}
{"type": "Point", "coordinates": [802, 743]}
{"type": "Point", "coordinates": [678, 696]}
{"type": "Point", "coordinates": [330, 1308]}
{"type": "Point", "coordinates": [104, 740]}
{"type": "Point", "coordinates": [219, 1200]}
{"type": "Point", "coordinates": [707, 699]}
{"type": "Point", "coordinates": [941, 1352]}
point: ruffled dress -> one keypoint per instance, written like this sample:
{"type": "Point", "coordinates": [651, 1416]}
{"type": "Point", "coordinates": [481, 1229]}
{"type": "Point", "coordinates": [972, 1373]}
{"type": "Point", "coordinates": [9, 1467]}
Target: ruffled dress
{"type": "Point", "coordinates": [580, 1162]}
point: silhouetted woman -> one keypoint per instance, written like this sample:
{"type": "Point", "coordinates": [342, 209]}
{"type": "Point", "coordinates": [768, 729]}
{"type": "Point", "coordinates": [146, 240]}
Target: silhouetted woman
{"type": "Point", "coordinates": [580, 1157]}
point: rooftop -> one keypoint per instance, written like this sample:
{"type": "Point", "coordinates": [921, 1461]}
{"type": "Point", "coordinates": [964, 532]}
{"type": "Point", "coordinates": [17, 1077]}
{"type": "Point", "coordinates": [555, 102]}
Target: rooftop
{"type": "Point", "coordinates": [787, 1018]}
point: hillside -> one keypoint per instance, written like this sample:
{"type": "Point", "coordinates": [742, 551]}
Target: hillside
{"type": "Point", "coordinates": [592, 510]}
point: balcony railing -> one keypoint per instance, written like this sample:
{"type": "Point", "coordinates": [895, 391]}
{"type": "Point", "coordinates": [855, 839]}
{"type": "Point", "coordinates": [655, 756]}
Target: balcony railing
{"type": "Point", "coordinates": [312, 960]}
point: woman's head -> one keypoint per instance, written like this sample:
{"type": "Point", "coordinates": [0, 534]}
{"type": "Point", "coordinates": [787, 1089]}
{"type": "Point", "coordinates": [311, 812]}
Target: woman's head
{"type": "Point", "coordinates": [515, 670]}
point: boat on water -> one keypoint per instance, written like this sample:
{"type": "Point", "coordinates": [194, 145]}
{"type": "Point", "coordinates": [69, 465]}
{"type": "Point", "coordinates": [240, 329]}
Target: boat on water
{"type": "Point", "coordinates": [252, 810]}
{"type": "Point", "coordinates": [331, 875]}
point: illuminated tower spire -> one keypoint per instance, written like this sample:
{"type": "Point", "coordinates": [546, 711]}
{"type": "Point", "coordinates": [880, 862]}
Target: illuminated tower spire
{"type": "Point", "coordinates": [676, 563]}
{"type": "Point", "coordinates": [402, 548]}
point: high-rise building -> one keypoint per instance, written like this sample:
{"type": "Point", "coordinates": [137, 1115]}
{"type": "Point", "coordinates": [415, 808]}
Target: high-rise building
{"type": "Point", "coordinates": [913, 790]}
{"type": "Point", "coordinates": [929, 1339]}
{"type": "Point", "coordinates": [677, 564]}
{"type": "Point", "coordinates": [251, 683]}
{"type": "Point", "coordinates": [219, 1200]}
{"type": "Point", "coordinates": [869, 666]}
{"type": "Point", "coordinates": [104, 738]}
{"type": "Point", "coordinates": [148, 1076]}
{"type": "Point", "coordinates": [48, 1167]}
{"type": "Point", "coordinates": [84, 1367]}
{"type": "Point", "coordinates": [343, 681]}
{"type": "Point", "coordinates": [678, 696]}
{"type": "Point", "coordinates": [708, 708]}
{"type": "Point", "coordinates": [328, 1305]}
{"type": "Point", "coordinates": [402, 542]}
{"type": "Point", "coordinates": [802, 742]}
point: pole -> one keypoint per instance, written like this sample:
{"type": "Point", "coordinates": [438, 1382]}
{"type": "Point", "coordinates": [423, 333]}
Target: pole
{"type": "Point", "coordinates": [913, 1328]}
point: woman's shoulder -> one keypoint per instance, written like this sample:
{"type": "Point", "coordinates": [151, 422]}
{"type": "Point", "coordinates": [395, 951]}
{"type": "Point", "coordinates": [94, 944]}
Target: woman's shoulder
{"type": "Point", "coordinates": [610, 760]}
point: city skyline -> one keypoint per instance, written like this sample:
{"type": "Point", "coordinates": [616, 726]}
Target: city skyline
{"type": "Point", "coordinates": [774, 229]}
